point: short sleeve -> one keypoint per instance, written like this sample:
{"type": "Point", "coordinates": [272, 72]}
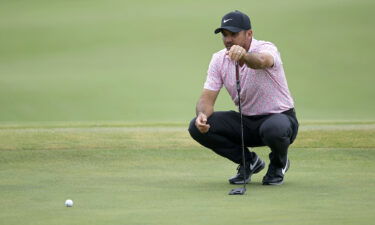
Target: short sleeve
{"type": "Point", "coordinates": [272, 50]}
{"type": "Point", "coordinates": [214, 80]}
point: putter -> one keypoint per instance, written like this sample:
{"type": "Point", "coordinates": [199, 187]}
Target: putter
{"type": "Point", "coordinates": [242, 190]}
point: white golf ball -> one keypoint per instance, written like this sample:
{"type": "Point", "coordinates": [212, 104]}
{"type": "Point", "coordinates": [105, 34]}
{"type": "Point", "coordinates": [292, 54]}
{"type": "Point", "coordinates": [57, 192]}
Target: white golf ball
{"type": "Point", "coordinates": [68, 203]}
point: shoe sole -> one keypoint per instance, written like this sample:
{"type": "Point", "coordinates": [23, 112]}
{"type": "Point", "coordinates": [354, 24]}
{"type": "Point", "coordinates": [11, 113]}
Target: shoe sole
{"type": "Point", "coordinates": [273, 183]}
{"type": "Point", "coordinates": [257, 170]}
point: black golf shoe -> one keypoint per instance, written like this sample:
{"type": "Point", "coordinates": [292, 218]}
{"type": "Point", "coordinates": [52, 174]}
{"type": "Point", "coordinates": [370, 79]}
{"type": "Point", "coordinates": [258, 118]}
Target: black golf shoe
{"type": "Point", "coordinates": [274, 175]}
{"type": "Point", "coordinates": [251, 168]}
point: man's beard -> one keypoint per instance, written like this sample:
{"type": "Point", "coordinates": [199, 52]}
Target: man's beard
{"type": "Point", "coordinates": [228, 46]}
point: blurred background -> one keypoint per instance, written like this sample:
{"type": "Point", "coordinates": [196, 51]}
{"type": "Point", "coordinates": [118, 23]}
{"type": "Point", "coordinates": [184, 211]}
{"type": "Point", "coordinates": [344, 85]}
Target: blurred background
{"type": "Point", "coordinates": [146, 61]}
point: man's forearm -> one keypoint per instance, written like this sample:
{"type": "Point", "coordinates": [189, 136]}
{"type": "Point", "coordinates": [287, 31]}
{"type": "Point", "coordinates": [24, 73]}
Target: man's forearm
{"type": "Point", "coordinates": [206, 102]}
{"type": "Point", "coordinates": [204, 107]}
{"type": "Point", "coordinates": [257, 60]}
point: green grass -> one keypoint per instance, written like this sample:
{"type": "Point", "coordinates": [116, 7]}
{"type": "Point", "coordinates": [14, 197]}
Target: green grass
{"type": "Point", "coordinates": [145, 61]}
{"type": "Point", "coordinates": [138, 68]}
{"type": "Point", "coordinates": [129, 174]}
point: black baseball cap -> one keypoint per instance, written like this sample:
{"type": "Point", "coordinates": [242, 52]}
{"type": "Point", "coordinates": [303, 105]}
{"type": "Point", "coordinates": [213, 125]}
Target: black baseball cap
{"type": "Point", "coordinates": [235, 22]}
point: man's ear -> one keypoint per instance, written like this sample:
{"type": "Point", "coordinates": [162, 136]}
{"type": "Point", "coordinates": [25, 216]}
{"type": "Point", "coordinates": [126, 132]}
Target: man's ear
{"type": "Point", "coordinates": [249, 33]}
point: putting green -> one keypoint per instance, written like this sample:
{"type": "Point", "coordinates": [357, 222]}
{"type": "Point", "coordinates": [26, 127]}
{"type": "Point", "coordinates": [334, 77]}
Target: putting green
{"type": "Point", "coordinates": [128, 174]}
{"type": "Point", "coordinates": [143, 63]}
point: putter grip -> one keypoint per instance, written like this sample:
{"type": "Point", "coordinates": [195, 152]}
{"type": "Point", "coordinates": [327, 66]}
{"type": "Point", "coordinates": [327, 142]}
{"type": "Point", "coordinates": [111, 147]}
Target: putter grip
{"type": "Point", "coordinates": [237, 73]}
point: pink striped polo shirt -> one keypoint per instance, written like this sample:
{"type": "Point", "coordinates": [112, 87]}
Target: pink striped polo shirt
{"type": "Point", "coordinates": [263, 91]}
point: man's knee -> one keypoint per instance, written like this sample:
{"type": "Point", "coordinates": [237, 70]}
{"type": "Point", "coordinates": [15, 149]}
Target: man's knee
{"type": "Point", "coordinates": [276, 129]}
{"type": "Point", "coordinates": [193, 130]}
{"type": "Point", "coordinates": [218, 122]}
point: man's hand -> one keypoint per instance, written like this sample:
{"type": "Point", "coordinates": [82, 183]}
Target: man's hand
{"type": "Point", "coordinates": [236, 53]}
{"type": "Point", "coordinates": [201, 123]}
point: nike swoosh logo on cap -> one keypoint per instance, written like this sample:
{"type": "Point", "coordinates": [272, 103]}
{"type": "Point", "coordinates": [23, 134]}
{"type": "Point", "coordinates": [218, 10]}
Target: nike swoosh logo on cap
{"type": "Point", "coordinates": [226, 20]}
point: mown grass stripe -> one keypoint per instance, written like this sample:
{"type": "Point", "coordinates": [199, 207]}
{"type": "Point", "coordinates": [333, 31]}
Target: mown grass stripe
{"type": "Point", "coordinates": [109, 124]}
{"type": "Point", "coordinates": [159, 138]}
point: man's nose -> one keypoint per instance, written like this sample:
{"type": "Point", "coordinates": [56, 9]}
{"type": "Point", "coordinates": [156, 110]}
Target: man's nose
{"type": "Point", "coordinates": [228, 39]}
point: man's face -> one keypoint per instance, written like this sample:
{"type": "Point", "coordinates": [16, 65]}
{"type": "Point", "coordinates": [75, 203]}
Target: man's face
{"type": "Point", "coordinates": [241, 38]}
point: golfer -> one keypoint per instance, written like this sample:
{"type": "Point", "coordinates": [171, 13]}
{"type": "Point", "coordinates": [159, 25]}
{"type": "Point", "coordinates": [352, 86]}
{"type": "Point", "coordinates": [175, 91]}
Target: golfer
{"type": "Point", "coordinates": [268, 111]}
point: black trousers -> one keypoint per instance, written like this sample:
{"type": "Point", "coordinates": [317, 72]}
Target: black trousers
{"type": "Point", "coordinates": [276, 131]}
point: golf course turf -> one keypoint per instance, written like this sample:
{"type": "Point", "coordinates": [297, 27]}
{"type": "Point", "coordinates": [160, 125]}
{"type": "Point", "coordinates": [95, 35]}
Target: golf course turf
{"type": "Point", "coordinates": [122, 78]}
{"type": "Point", "coordinates": [155, 174]}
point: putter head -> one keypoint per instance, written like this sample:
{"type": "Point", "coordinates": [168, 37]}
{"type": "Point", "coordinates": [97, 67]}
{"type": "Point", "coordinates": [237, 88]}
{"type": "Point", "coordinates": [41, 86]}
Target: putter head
{"type": "Point", "coordinates": [237, 191]}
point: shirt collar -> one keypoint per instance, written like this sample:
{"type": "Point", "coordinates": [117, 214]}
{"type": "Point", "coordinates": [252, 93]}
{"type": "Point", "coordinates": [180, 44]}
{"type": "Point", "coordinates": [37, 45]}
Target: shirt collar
{"type": "Point", "coordinates": [253, 44]}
